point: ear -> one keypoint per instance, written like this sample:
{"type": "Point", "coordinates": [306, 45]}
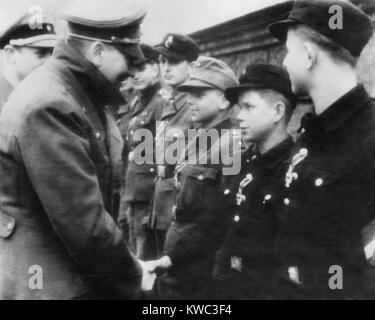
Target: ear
{"type": "Point", "coordinates": [9, 54]}
{"type": "Point", "coordinates": [224, 103]}
{"type": "Point", "coordinates": [192, 66]}
{"type": "Point", "coordinates": [311, 54]}
{"type": "Point", "coordinates": [280, 110]}
{"type": "Point", "coordinates": [96, 53]}
{"type": "Point", "coordinates": [156, 70]}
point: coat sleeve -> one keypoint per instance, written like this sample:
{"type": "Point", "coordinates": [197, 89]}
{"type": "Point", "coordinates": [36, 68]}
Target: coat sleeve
{"type": "Point", "coordinates": [204, 237]}
{"type": "Point", "coordinates": [55, 150]}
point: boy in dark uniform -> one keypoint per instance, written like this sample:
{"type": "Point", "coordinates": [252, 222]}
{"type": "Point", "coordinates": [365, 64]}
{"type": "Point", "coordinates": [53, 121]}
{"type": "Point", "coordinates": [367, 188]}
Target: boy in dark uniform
{"type": "Point", "coordinates": [330, 183]}
{"type": "Point", "coordinates": [243, 220]}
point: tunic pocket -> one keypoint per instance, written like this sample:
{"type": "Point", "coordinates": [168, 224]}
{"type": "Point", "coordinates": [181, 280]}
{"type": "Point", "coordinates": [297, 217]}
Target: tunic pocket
{"type": "Point", "coordinates": [198, 186]}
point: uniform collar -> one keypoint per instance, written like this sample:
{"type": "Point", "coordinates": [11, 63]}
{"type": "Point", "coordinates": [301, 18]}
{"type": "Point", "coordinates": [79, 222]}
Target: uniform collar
{"type": "Point", "coordinates": [273, 157]}
{"type": "Point", "coordinates": [102, 92]}
{"type": "Point", "coordinates": [179, 99]}
{"type": "Point", "coordinates": [145, 97]}
{"type": "Point", "coordinates": [5, 90]}
{"type": "Point", "coordinates": [123, 109]}
{"type": "Point", "coordinates": [176, 103]}
{"type": "Point", "coordinates": [343, 109]}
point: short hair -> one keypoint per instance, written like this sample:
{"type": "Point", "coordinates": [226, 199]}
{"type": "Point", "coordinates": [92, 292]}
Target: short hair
{"type": "Point", "coordinates": [273, 97]}
{"type": "Point", "coordinates": [336, 52]}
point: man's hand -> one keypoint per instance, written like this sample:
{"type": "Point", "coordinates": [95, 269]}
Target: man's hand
{"type": "Point", "coordinates": [160, 265]}
{"type": "Point", "coordinates": [148, 277]}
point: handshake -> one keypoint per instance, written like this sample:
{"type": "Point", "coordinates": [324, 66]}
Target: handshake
{"type": "Point", "coordinates": [150, 268]}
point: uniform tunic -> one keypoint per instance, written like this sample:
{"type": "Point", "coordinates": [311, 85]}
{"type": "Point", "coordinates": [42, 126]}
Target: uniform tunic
{"type": "Point", "coordinates": [197, 190]}
{"type": "Point", "coordinates": [140, 178]}
{"type": "Point", "coordinates": [329, 198]}
{"type": "Point", "coordinates": [60, 152]}
{"type": "Point", "coordinates": [176, 116]}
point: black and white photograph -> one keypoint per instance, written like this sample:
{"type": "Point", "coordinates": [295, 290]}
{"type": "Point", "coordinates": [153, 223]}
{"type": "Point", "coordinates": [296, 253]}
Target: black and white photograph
{"type": "Point", "coordinates": [187, 154]}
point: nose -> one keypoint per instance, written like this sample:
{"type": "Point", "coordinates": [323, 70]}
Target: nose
{"type": "Point", "coordinates": [133, 76]}
{"type": "Point", "coordinates": [166, 66]}
{"type": "Point", "coordinates": [239, 116]}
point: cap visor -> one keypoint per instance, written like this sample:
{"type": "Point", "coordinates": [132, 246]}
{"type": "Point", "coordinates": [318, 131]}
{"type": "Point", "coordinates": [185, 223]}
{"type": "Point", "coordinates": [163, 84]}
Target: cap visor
{"type": "Point", "coordinates": [279, 29]}
{"type": "Point", "coordinates": [194, 84]}
{"type": "Point", "coordinates": [43, 44]}
{"type": "Point", "coordinates": [169, 54]}
{"type": "Point", "coordinates": [133, 51]}
{"type": "Point", "coordinates": [231, 94]}
{"type": "Point", "coordinates": [42, 41]}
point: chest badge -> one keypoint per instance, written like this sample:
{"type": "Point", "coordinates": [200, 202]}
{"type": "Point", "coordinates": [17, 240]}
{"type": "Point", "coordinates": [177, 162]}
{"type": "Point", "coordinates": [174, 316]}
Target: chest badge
{"type": "Point", "coordinates": [169, 42]}
{"type": "Point", "coordinates": [294, 275]}
{"type": "Point", "coordinates": [240, 197]}
{"type": "Point", "coordinates": [291, 175]}
{"type": "Point", "coordinates": [236, 263]}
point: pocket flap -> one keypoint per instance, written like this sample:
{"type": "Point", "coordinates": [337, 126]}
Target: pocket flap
{"type": "Point", "coordinates": [202, 173]}
{"type": "Point", "coordinates": [7, 225]}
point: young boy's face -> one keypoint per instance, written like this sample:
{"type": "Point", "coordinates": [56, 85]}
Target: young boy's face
{"type": "Point", "coordinates": [256, 117]}
{"type": "Point", "coordinates": [174, 72]}
{"type": "Point", "coordinates": [205, 104]}
{"type": "Point", "coordinates": [145, 75]}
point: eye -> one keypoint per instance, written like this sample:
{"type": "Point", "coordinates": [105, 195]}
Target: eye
{"type": "Point", "coordinates": [41, 53]}
{"type": "Point", "coordinates": [245, 106]}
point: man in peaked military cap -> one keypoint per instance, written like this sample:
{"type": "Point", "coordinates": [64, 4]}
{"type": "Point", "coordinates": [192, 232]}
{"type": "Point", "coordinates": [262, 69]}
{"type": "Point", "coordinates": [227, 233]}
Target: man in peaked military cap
{"type": "Point", "coordinates": [177, 52]}
{"type": "Point", "coordinates": [242, 222]}
{"type": "Point", "coordinates": [25, 46]}
{"type": "Point", "coordinates": [330, 181]}
{"type": "Point", "coordinates": [145, 109]}
{"type": "Point", "coordinates": [61, 153]}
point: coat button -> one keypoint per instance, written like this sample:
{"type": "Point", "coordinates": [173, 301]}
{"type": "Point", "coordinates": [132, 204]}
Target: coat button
{"type": "Point", "coordinates": [236, 218]}
{"type": "Point", "coordinates": [267, 198]}
{"type": "Point", "coordinates": [303, 152]}
{"type": "Point", "coordinates": [226, 192]}
{"type": "Point", "coordinates": [142, 123]}
{"type": "Point", "coordinates": [98, 135]}
{"type": "Point", "coordinates": [152, 170]}
{"type": "Point", "coordinates": [200, 177]}
{"type": "Point", "coordinates": [319, 182]}
{"type": "Point", "coordinates": [84, 110]}
{"type": "Point", "coordinates": [286, 201]}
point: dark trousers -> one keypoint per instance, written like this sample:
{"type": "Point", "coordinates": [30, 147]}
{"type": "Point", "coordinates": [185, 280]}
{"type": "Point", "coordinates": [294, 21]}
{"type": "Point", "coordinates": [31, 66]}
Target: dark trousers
{"type": "Point", "coordinates": [186, 287]}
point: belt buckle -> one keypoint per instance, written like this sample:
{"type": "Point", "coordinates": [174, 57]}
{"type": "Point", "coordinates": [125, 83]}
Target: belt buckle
{"type": "Point", "coordinates": [236, 263]}
{"type": "Point", "coordinates": [131, 156]}
{"type": "Point", "coordinates": [161, 171]}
